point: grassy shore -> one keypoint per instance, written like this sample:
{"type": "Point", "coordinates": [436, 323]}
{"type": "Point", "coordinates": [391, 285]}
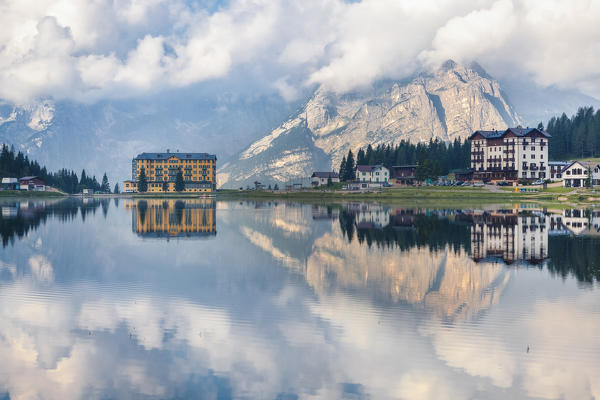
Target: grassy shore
{"type": "Point", "coordinates": [30, 194]}
{"type": "Point", "coordinates": [417, 195]}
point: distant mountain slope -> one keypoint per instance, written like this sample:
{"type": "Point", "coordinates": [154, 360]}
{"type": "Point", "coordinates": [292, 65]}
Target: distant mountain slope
{"type": "Point", "coordinates": [449, 104]}
{"type": "Point", "coordinates": [105, 136]}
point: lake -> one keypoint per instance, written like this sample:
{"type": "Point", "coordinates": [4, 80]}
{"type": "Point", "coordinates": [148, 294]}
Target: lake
{"type": "Point", "coordinates": [197, 298]}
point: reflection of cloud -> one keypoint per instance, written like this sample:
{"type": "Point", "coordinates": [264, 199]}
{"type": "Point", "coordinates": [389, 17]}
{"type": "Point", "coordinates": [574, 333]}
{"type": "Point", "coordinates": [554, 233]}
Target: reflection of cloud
{"type": "Point", "coordinates": [41, 269]}
{"type": "Point", "coordinates": [290, 228]}
{"type": "Point", "coordinates": [266, 243]}
{"type": "Point", "coordinates": [425, 385]}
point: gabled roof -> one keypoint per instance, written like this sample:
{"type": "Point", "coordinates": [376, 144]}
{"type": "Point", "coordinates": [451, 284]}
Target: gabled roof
{"type": "Point", "coordinates": [368, 168]}
{"type": "Point", "coordinates": [584, 164]}
{"type": "Point", "coordinates": [325, 175]}
{"type": "Point", "coordinates": [405, 166]}
{"type": "Point", "coordinates": [181, 156]}
{"type": "Point", "coordinates": [518, 131]}
{"type": "Point", "coordinates": [28, 178]}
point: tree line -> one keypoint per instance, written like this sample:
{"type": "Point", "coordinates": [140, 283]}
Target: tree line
{"type": "Point", "coordinates": [575, 137]}
{"type": "Point", "coordinates": [17, 165]}
{"type": "Point", "coordinates": [433, 158]}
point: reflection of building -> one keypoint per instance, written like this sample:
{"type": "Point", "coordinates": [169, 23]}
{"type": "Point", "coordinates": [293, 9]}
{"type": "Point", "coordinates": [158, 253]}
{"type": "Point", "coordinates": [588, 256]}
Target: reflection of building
{"type": "Point", "coordinates": [174, 218]}
{"type": "Point", "coordinates": [509, 236]}
{"type": "Point", "coordinates": [370, 215]}
{"type": "Point", "coordinates": [161, 169]}
{"type": "Point", "coordinates": [575, 222]}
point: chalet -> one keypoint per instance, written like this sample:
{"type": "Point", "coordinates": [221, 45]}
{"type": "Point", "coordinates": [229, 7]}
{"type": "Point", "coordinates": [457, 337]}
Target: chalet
{"type": "Point", "coordinates": [516, 153]}
{"type": "Point", "coordinates": [32, 183]}
{"type": "Point", "coordinates": [581, 174]}
{"type": "Point", "coordinates": [322, 178]}
{"type": "Point", "coordinates": [404, 174]}
{"type": "Point", "coordinates": [10, 184]}
{"type": "Point", "coordinates": [372, 173]}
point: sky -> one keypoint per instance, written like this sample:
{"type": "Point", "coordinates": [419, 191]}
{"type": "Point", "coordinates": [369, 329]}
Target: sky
{"type": "Point", "coordinates": [91, 50]}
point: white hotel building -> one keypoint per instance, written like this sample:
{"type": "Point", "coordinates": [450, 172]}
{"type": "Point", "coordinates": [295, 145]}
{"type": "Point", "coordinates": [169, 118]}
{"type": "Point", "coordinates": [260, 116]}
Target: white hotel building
{"type": "Point", "coordinates": [516, 153]}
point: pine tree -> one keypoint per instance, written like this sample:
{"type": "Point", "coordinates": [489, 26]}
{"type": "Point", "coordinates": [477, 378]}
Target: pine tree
{"type": "Point", "coordinates": [342, 172]}
{"type": "Point", "coordinates": [350, 173]}
{"type": "Point", "coordinates": [276, 187]}
{"type": "Point", "coordinates": [179, 183]}
{"type": "Point", "coordinates": [116, 189]}
{"type": "Point", "coordinates": [105, 187]}
{"type": "Point", "coordinates": [165, 185]}
{"type": "Point", "coordinates": [142, 182]}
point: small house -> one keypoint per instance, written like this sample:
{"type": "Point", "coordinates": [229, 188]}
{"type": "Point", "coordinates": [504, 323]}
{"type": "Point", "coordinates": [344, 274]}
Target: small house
{"type": "Point", "coordinates": [372, 173]}
{"type": "Point", "coordinates": [556, 168]}
{"type": "Point", "coordinates": [129, 186]}
{"type": "Point", "coordinates": [10, 184]}
{"type": "Point", "coordinates": [404, 174]}
{"type": "Point", "coordinates": [32, 183]}
{"type": "Point", "coordinates": [322, 178]}
{"type": "Point", "coordinates": [577, 174]}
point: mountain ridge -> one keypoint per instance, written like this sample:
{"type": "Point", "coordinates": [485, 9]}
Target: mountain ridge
{"type": "Point", "coordinates": [447, 104]}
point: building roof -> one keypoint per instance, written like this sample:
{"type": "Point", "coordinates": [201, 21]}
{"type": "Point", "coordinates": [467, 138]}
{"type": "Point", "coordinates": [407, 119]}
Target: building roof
{"type": "Point", "coordinates": [585, 164]}
{"type": "Point", "coordinates": [28, 178]}
{"type": "Point", "coordinates": [518, 131]}
{"type": "Point", "coordinates": [10, 180]}
{"type": "Point", "coordinates": [559, 162]}
{"type": "Point", "coordinates": [318, 174]}
{"type": "Point", "coordinates": [405, 166]}
{"type": "Point", "coordinates": [181, 156]}
{"type": "Point", "coordinates": [368, 168]}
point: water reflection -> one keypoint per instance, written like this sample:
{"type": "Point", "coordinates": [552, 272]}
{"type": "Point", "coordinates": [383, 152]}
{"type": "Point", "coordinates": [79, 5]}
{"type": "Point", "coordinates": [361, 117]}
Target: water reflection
{"type": "Point", "coordinates": [299, 301]}
{"type": "Point", "coordinates": [172, 218]}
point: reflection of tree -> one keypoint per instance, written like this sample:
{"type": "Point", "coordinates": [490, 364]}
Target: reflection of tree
{"type": "Point", "coordinates": [579, 256]}
{"type": "Point", "coordinates": [142, 207]}
{"type": "Point", "coordinates": [179, 207]}
{"type": "Point", "coordinates": [29, 215]}
{"type": "Point", "coordinates": [424, 230]}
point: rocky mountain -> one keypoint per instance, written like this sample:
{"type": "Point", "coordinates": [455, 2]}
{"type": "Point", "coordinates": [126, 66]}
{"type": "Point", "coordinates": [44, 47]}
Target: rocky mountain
{"type": "Point", "coordinates": [448, 104]}
{"type": "Point", "coordinates": [104, 136]}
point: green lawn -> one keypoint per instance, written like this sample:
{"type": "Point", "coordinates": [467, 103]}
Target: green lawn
{"type": "Point", "coordinates": [29, 194]}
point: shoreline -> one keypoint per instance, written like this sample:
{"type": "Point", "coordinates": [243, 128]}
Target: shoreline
{"type": "Point", "coordinates": [419, 195]}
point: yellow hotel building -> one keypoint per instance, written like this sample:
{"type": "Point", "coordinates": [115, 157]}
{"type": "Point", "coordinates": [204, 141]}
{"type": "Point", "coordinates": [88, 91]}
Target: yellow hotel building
{"type": "Point", "coordinates": [198, 169]}
{"type": "Point", "coordinates": [172, 218]}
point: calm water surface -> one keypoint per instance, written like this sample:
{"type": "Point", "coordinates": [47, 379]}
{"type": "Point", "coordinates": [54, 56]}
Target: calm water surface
{"type": "Point", "coordinates": [218, 300]}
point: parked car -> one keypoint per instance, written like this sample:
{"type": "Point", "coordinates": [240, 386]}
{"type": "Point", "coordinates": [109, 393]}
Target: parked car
{"type": "Point", "coordinates": [538, 182]}
{"type": "Point", "coordinates": [478, 184]}
{"type": "Point", "coordinates": [503, 183]}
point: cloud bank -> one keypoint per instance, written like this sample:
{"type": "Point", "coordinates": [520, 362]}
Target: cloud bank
{"type": "Point", "coordinates": [94, 49]}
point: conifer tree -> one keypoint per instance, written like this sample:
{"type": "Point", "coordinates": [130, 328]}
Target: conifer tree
{"type": "Point", "coordinates": [105, 187]}
{"type": "Point", "coordinates": [165, 185]}
{"type": "Point", "coordinates": [342, 172]}
{"type": "Point", "coordinates": [350, 173]}
{"type": "Point", "coordinates": [179, 182]}
{"type": "Point", "coordinates": [116, 189]}
{"type": "Point", "coordinates": [142, 182]}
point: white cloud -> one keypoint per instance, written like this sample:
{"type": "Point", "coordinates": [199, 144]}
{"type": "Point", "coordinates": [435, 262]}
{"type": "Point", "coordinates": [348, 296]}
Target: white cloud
{"type": "Point", "coordinates": [89, 49]}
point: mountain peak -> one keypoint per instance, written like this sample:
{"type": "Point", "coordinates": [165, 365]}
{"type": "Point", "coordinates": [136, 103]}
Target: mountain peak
{"type": "Point", "coordinates": [448, 106]}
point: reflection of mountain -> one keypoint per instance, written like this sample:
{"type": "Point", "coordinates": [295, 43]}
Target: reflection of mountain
{"type": "Point", "coordinates": [443, 280]}
{"type": "Point", "coordinates": [19, 217]}
{"type": "Point", "coordinates": [174, 218]}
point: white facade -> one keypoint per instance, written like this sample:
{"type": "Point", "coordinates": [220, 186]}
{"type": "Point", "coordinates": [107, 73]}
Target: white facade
{"type": "Point", "coordinates": [372, 173]}
{"type": "Point", "coordinates": [516, 153]}
{"type": "Point", "coordinates": [576, 175]}
{"type": "Point", "coordinates": [321, 178]}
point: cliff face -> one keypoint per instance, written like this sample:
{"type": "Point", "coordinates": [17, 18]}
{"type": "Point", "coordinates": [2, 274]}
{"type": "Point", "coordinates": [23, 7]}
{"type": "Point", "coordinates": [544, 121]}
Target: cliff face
{"type": "Point", "coordinates": [449, 104]}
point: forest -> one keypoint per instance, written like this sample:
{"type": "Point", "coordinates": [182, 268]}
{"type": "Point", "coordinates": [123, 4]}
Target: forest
{"type": "Point", "coordinates": [575, 137]}
{"type": "Point", "coordinates": [18, 165]}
